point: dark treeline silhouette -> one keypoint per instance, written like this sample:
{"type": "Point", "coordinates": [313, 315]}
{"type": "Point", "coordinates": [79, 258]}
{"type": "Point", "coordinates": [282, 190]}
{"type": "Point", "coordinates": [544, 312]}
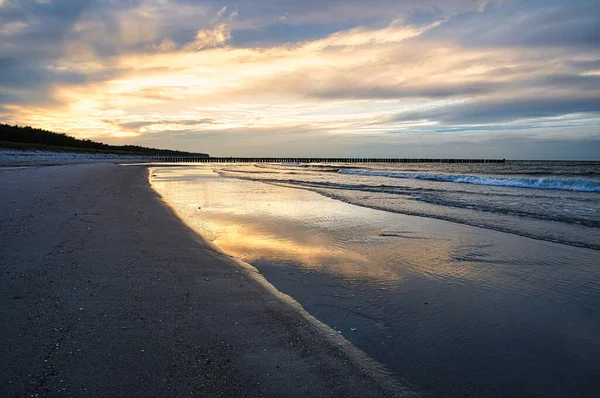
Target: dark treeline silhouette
{"type": "Point", "coordinates": [30, 135]}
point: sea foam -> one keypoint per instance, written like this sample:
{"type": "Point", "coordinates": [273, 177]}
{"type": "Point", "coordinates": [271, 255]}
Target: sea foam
{"type": "Point", "coordinates": [568, 184]}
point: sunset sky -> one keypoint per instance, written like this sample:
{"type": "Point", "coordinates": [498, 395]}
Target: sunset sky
{"type": "Point", "coordinates": [406, 78]}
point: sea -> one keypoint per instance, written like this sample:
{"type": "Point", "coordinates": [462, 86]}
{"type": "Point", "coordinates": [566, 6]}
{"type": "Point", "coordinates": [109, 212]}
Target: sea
{"type": "Point", "coordinates": [459, 279]}
{"type": "Point", "coordinates": [554, 201]}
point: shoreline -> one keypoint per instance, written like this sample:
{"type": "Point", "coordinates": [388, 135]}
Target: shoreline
{"type": "Point", "coordinates": [107, 292]}
{"type": "Point", "coordinates": [368, 365]}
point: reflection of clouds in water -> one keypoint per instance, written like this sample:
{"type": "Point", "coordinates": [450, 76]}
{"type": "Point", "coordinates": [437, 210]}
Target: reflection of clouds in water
{"type": "Point", "coordinates": [251, 245]}
{"type": "Point", "coordinates": [255, 221]}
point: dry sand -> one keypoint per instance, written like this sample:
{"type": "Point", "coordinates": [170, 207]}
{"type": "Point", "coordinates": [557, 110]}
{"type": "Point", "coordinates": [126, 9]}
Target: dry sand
{"type": "Point", "coordinates": [104, 292]}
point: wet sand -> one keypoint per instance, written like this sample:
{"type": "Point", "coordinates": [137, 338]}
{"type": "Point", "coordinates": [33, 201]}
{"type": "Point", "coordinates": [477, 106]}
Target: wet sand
{"type": "Point", "coordinates": [104, 292]}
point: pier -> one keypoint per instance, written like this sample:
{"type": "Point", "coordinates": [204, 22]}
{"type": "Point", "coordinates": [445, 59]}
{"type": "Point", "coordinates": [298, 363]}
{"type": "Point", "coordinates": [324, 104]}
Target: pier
{"type": "Point", "coordinates": [170, 159]}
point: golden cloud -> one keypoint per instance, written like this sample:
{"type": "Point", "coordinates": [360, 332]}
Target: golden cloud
{"type": "Point", "coordinates": [350, 82]}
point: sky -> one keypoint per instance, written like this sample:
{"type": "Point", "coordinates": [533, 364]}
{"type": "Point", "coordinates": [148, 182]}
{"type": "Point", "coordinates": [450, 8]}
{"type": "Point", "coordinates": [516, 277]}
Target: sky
{"type": "Point", "coordinates": [390, 78]}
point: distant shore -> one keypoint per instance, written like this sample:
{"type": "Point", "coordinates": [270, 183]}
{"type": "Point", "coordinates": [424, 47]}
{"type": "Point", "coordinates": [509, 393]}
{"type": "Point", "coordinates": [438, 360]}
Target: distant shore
{"type": "Point", "coordinates": [106, 293]}
{"type": "Point", "coordinates": [34, 158]}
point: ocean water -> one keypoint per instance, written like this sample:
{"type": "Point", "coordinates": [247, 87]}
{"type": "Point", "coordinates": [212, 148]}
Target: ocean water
{"type": "Point", "coordinates": [553, 201]}
{"type": "Point", "coordinates": [426, 268]}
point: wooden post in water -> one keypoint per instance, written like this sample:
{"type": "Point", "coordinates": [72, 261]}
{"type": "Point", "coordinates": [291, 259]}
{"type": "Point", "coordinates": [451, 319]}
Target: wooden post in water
{"type": "Point", "coordinates": [179, 159]}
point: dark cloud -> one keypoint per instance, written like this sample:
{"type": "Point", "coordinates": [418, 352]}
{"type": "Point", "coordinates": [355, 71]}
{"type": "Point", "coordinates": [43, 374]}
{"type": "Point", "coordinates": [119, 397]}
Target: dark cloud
{"type": "Point", "coordinates": [7, 98]}
{"type": "Point", "coordinates": [32, 42]}
{"type": "Point", "coordinates": [505, 110]}
{"type": "Point", "coordinates": [19, 74]}
{"type": "Point", "coordinates": [584, 65]}
{"type": "Point", "coordinates": [32, 82]}
{"type": "Point", "coordinates": [425, 15]}
{"type": "Point", "coordinates": [377, 91]}
{"type": "Point", "coordinates": [363, 83]}
{"type": "Point", "coordinates": [190, 122]}
{"type": "Point", "coordinates": [281, 32]}
{"type": "Point", "coordinates": [298, 20]}
{"type": "Point", "coordinates": [539, 23]}
{"type": "Point", "coordinates": [45, 25]}
{"type": "Point", "coordinates": [566, 80]}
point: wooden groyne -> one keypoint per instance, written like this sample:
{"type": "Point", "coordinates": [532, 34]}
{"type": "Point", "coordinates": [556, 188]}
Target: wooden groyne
{"type": "Point", "coordinates": [170, 159]}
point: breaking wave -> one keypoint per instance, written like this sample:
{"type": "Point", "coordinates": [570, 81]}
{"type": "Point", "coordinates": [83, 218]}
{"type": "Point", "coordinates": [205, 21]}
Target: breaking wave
{"type": "Point", "coordinates": [567, 184]}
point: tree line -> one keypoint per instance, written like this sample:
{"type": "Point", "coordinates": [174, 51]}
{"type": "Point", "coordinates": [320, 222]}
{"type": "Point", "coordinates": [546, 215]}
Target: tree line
{"type": "Point", "coordinates": [30, 135]}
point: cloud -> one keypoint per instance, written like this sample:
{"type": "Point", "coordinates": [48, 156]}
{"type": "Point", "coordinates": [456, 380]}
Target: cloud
{"type": "Point", "coordinates": [538, 23]}
{"type": "Point", "coordinates": [206, 38]}
{"type": "Point", "coordinates": [19, 74]}
{"type": "Point", "coordinates": [260, 12]}
{"type": "Point", "coordinates": [494, 110]}
{"type": "Point", "coordinates": [7, 98]}
{"type": "Point", "coordinates": [298, 72]}
{"type": "Point", "coordinates": [138, 124]}
{"type": "Point", "coordinates": [558, 143]}
{"type": "Point", "coordinates": [34, 30]}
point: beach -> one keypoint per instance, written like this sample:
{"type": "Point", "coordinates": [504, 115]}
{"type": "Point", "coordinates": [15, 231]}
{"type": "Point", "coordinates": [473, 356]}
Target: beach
{"type": "Point", "coordinates": [297, 280]}
{"type": "Point", "coordinates": [105, 292]}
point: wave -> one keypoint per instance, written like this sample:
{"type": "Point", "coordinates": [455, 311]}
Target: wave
{"type": "Point", "coordinates": [567, 184]}
{"type": "Point", "coordinates": [437, 198]}
{"type": "Point", "coordinates": [538, 216]}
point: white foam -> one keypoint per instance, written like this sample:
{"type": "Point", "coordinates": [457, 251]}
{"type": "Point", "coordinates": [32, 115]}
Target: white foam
{"type": "Point", "coordinates": [569, 184]}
